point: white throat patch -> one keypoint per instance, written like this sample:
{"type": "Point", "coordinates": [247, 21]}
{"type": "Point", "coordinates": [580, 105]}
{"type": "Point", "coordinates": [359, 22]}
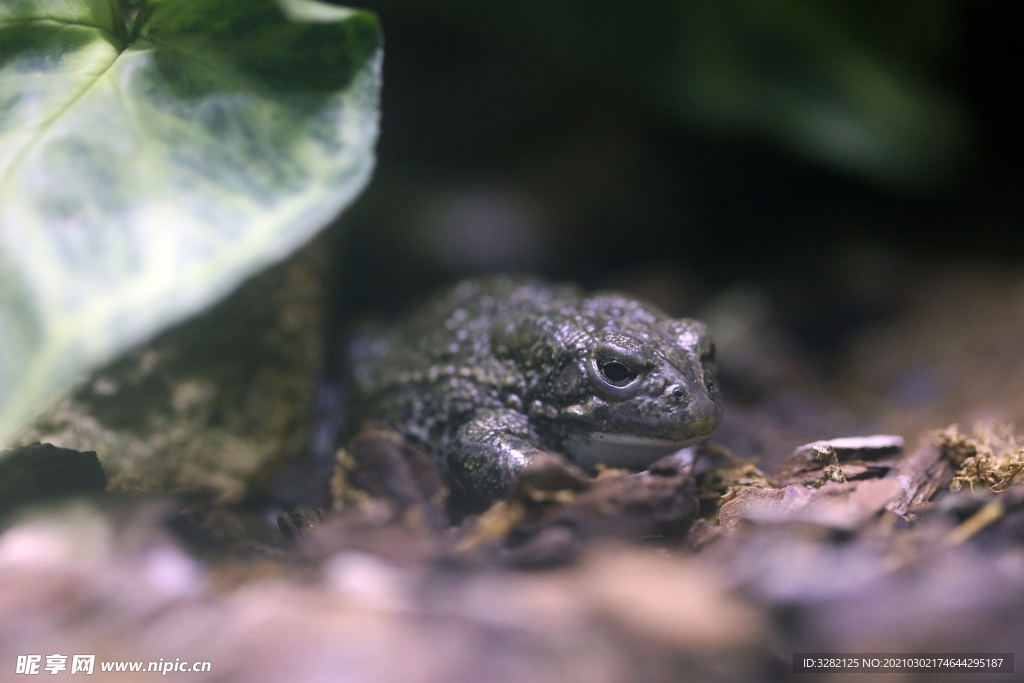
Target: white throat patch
{"type": "Point", "coordinates": [613, 450]}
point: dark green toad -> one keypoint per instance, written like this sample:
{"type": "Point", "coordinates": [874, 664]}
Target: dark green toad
{"type": "Point", "coordinates": [493, 371]}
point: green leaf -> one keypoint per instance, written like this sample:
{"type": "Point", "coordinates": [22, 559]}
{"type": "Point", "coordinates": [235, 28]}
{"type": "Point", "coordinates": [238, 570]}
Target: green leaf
{"type": "Point", "coordinates": [145, 173]}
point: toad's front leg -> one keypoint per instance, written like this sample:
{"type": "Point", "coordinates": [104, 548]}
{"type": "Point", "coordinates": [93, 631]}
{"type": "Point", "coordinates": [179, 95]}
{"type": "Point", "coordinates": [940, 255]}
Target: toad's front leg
{"type": "Point", "coordinates": [488, 451]}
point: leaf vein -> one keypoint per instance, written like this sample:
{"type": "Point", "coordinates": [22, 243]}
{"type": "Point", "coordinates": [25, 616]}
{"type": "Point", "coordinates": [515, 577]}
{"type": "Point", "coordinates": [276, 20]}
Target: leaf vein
{"type": "Point", "coordinates": [62, 22]}
{"type": "Point", "coordinates": [45, 126]}
{"type": "Point", "coordinates": [185, 53]}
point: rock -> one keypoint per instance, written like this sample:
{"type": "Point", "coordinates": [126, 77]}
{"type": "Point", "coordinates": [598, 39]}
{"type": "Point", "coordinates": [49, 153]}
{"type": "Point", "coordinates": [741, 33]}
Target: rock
{"type": "Point", "coordinates": [219, 402]}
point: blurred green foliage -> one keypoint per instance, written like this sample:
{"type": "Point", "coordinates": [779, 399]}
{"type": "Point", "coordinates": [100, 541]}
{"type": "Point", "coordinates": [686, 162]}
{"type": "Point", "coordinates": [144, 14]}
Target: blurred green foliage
{"type": "Point", "coordinates": [852, 85]}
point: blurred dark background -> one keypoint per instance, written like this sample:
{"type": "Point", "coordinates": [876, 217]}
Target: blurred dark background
{"type": "Point", "coordinates": [833, 187]}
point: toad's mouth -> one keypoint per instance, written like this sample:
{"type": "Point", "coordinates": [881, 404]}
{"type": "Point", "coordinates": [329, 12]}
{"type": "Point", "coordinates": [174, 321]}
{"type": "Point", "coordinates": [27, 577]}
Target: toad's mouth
{"type": "Point", "coordinates": [620, 450]}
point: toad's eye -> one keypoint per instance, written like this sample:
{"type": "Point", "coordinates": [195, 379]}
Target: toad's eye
{"type": "Point", "coordinates": [709, 354]}
{"type": "Point", "coordinates": [616, 372]}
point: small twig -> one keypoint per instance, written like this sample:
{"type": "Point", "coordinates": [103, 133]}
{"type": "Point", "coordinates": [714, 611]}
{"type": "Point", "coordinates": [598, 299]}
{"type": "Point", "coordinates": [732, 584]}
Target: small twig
{"type": "Point", "coordinates": [976, 522]}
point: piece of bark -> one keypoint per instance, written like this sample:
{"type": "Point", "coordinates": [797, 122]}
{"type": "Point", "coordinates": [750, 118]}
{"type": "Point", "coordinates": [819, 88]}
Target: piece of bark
{"type": "Point", "coordinates": [379, 465]}
{"type": "Point", "coordinates": [921, 475]}
{"type": "Point", "coordinates": [840, 459]}
{"type": "Point", "coordinates": [817, 475]}
{"type": "Point", "coordinates": [552, 546]}
{"type": "Point", "coordinates": [661, 500]}
{"type": "Point", "coordinates": [299, 522]}
{"type": "Point", "coordinates": [735, 513]}
{"type": "Point", "coordinates": [551, 474]}
{"type": "Point", "coordinates": [856, 447]}
{"type": "Point", "coordinates": [562, 509]}
{"type": "Point", "coordinates": [702, 534]}
{"type": "Point", "coordinates": [835, 505]}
